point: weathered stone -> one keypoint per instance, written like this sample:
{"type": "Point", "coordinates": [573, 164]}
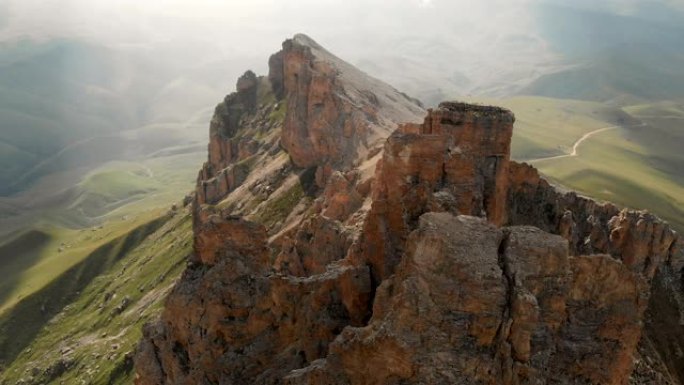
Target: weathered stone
{"type": "Point", "coordinates": [449, 264]}
{"type": "Point", "coordinates": [230, 320]}
{"type": "Point", "coordinates": [642, 241]}
{"type": "Point", "coordinates": [333, 111]}
{"type": "Point", "coordinates": [456, 161]}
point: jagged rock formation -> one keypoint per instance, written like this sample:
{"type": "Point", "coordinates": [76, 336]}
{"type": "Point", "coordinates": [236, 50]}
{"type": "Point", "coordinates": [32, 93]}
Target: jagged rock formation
{"type": "Point", "coordinates": [456, 161]}
{"type": "Point", "coordinates": [334, 111]}
{"type": "Point", "coordinates": [429, 259]}
{"type": "Point", "coordinates": [232, 138]}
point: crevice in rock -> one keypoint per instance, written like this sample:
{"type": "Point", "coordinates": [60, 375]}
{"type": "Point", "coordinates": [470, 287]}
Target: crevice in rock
{"type": "Point", "coordinates": [374, 284]}
{"type": "Point", "coordinates": [506, 273]}
{"type": "Point", "coordinates": [307, 179]}
{"type": "Point", "coordinates": [158, 360]}
{"type": "Point", "coordinates": [503, 350]}
{"type": "Point", "coordinates": [181, 355]}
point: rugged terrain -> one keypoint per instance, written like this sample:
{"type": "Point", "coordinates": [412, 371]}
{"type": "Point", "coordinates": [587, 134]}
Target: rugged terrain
{"type": "Point", "coordinates": [343, 235]}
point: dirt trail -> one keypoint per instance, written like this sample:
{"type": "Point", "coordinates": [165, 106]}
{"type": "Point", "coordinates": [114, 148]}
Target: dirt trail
{"type": "Point", "coordinates": [582, 139]}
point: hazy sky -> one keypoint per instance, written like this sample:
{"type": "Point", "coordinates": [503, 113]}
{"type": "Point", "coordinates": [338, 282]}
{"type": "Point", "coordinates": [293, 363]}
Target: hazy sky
{"type": "Point", "coordinates": [130, 20]}
{"type": "Point", "coordinates": [249, 22]}
{"type": "Point", "coordinates": [485, 40]}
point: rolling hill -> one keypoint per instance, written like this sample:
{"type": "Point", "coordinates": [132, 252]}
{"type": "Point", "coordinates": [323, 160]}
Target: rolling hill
{"type": "Point", "coordinates": [98, 142]}
{"type": "Point", "coordinates": [93, 140]}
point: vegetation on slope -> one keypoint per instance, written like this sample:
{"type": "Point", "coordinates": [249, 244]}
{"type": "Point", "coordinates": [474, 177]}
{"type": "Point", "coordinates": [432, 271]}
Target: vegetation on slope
{"type": "Point", "coordinates": [84, 326]}
{"type": "Point", "coordinates": [634, 166]}
{"type": "Point", "coordinates": [108, 203]}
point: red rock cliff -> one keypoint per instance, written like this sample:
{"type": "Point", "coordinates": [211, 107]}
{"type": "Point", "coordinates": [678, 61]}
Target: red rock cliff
{"type": "Point", "coordinates": [432, 259]}
{"type": "Point", "coordinates": [456, 161]}
{"type": "Point", "coordinates": [334, 112]}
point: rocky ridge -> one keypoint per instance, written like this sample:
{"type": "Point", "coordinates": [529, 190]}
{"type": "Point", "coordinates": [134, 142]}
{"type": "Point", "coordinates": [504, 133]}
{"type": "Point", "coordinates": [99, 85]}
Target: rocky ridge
{"type": "Point", "coordinates": [339, 241]}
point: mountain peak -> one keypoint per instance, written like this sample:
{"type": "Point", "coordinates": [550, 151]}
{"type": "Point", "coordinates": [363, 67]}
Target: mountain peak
{"type": "Point", "coordinates": [303, 39]}
{"type": "Point", "coordinates": [338, 241]}
{"type": "Point", "coordinates": [335, 111]}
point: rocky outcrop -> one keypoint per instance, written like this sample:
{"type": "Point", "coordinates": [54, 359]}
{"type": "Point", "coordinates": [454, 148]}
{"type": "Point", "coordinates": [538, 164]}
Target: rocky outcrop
{"type": "Point", "coordinates": [430, 259]}
{"type": "Point", "coordinates": [637, 238]}
{"type": "Point", "coordinates": [334, 112]}
{"type": "Point", "coordinates": [233, 132]}
{"type": "Point", "coordinates": [230, 320]}
{"type": "Point", "coordinates": [471, 303]}
{"type": "Point", "coordinates": [456, 161]}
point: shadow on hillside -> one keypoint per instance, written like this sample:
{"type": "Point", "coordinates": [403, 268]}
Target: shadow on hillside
{"type": "Point", "coordinates": [20, 326]}
{"type": "Point", "coordinates": [18, 255]}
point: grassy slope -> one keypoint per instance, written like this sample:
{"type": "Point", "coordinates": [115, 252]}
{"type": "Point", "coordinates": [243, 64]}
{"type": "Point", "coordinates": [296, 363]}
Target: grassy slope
{"type": "Point", "coordinates": [92, 158]}
{"type": "Point", "coordinates": [83, 326]}
{"type": "Point", "coordinates": [610, 167]}
{"type": "Point", "coordinates": [119, 195]}
{"type": "Point", "coordinates": [49, 262]}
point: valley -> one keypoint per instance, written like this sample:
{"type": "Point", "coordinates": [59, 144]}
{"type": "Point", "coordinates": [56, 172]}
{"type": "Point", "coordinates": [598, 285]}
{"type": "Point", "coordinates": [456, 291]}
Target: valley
{"type": "Point", "coordinates": [100, 147]}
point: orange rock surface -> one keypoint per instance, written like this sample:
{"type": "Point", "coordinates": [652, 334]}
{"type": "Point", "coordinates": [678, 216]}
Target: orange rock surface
{"type": "Point", "coordinates": [429, 259]}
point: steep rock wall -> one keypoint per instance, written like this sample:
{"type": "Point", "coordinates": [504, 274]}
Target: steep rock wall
{"type": "Point", "coordinates": [431, 259]}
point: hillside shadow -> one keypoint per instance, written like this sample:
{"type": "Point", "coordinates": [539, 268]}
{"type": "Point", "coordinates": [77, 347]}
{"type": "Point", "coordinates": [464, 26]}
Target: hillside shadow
{"type": "Point", "coordinates": [20, 326]}
{"type": "Point", "coordinates": [18, 255]}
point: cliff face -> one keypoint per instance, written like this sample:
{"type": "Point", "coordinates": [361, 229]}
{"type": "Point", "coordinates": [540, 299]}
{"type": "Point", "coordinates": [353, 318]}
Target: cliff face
{"type": "Point", "coordinates": [233, 139]}
{"type": "Point", "coordinates": [456, 161]}
{"type": "Point", "coordinates": [329, 250]}
{"type": "Point", "coordinates": [334, 112]}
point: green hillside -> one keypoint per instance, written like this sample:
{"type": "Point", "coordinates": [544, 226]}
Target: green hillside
{"type": "Point", "coordinates": [612, 167]}
{"type": "Point", "coordinates": [84, 325]}
{"type": "Point", "coordinates": [68, 104]}
{"type": "Point", "coordinates": [105, 204]}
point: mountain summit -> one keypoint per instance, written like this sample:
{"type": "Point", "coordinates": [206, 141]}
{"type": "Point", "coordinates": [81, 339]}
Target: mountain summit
{"type": "Point", "coordinates": [344, 235]}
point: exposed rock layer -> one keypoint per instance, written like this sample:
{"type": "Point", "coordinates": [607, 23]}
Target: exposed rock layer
{"type": "Point", "coordinates": [456, 161]}
{"type": "Point", "coordinates": [334, 112]}
{"type": "Point", "coordinates": [447, 264]}
{"type": "Point", "coordinates": [229, 148]}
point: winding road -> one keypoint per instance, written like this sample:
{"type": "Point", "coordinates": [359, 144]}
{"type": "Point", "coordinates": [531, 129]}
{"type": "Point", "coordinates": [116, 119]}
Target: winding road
{"type": "Point", "coordinates": [582, 139]}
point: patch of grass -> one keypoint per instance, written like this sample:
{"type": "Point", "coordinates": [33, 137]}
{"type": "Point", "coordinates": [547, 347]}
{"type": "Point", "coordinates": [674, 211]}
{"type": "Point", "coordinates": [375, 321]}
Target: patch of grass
{"type": "Point", "coordinates": [89, 320]}
{"type": "Point", "coordinates": [19, 254]}
{"type": "Point", "coordinates": [278, 208]}
{"type": "Point", "coordinates": [118, 183]}
{"type": "Point", "coordinates": [277, 116]}
{"type": "Point", "coordinates": [105, 190]}
{"type": "Point", "coordinates": [245, 166]}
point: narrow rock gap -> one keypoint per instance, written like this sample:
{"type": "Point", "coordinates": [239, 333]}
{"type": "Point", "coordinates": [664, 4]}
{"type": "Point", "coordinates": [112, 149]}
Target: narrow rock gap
{"type": "Point", "coordinates": [157, 357]}
{"type": "Point", "coordinates": [506, 274]}
{"type": "Point", "coordinates": [503, 349]}
{"type": "Point", "coordinates": [373, 290]}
